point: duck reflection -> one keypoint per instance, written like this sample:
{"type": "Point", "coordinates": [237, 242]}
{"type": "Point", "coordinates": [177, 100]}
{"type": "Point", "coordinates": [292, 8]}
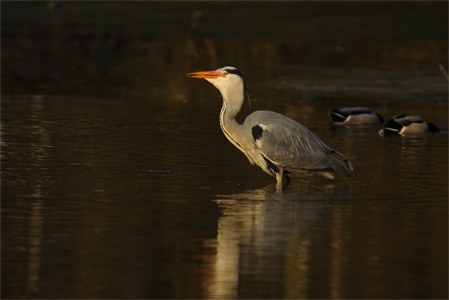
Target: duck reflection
{"type": "Point", "coordinates": [264, 241]}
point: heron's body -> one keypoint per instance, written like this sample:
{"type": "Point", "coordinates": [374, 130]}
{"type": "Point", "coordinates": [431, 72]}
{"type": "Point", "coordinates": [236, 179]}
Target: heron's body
{"type": "Point", "coordinates": [407, 125]}
{"type": "Point", "coordinates": [355, 115]}
{"type": "Point", "coordinates": [274, 142]}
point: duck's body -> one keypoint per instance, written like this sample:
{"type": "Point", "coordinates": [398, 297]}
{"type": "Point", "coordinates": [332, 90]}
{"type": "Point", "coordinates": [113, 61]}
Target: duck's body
{"type": "Point", "coordinates": [407, 125]}
{"type": "Point", "coordinates": [355, 115]}
{"type": "Point", "coordinates": [277, 144]}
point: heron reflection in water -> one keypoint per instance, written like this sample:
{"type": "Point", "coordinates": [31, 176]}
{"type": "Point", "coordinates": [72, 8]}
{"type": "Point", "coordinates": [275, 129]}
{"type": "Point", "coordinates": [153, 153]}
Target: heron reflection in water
{"type": "Point", "coordinates": [277, 231]}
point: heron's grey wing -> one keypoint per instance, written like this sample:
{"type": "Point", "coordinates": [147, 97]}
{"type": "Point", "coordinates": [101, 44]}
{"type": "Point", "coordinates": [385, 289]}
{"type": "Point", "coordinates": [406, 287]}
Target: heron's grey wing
{"type": "Point", "coordinates": [290, 144]}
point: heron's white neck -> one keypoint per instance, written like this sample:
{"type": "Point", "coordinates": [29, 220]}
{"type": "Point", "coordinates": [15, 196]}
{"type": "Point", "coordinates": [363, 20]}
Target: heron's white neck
{"type": "Point", "coordinates": [232, 102]}
{"type": "Point", "coordinates": [233, 97]}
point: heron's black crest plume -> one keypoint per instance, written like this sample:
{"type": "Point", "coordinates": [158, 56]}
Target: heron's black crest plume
{"type": "Point", "coordinates": [234, 71]}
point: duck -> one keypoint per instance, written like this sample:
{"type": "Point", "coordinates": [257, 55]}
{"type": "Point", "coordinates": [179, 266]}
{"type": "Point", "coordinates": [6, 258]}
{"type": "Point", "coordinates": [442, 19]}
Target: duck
{"type": "Point", "coordinates": [404, 125]}
{"type": "Point", "coordinates": [355, 115]}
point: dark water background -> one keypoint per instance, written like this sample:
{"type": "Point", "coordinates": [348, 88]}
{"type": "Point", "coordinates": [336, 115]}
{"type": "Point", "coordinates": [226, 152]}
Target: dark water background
{"type": "Point", "coordinates": [118, 183]}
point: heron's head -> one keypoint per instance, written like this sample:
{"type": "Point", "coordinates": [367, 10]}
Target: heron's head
{"type": "Point", "coordinates": [228, 80]}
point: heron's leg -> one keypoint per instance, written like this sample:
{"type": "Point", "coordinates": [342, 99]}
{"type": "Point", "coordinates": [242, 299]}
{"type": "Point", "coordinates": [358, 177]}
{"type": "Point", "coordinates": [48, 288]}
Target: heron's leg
{"type": "Point", "coordinates": [279, 176]}
{"type": "Point", "coordinates": [287, 179]}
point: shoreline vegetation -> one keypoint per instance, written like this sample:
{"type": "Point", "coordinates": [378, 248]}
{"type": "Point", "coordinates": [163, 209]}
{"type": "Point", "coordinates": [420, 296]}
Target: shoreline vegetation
{"type": "Point", "coordinates": [111, 48]}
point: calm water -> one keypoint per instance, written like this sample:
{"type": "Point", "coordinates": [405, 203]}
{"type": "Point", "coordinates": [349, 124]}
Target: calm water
{"type": "Point", "coordinates": [147, 199]}
{"type": "Point", "coordinates": [116, 181]}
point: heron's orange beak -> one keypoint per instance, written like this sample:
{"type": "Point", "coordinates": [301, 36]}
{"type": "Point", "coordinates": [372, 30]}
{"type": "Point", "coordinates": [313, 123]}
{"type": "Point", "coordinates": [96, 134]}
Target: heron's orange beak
{"type": "Point", "coordinates": [205, 74]}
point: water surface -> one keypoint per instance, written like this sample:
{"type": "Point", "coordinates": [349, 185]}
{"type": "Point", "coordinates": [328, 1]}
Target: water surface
{"type": "Point", "coordinates": [131, 199]}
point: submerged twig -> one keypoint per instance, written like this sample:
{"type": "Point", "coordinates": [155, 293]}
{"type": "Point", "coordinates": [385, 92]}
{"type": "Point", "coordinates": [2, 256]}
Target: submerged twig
{"type": "Point", "coordinates": [443, 70]}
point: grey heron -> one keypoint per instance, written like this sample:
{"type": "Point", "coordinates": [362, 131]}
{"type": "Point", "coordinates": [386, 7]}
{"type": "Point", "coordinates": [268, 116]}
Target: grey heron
{"type": "Point", "coordinates": [355, 115]}
{"type": "Point", "coordinates": [274, 142]}
{"type": "Point", "coordinates": [407, 125]}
